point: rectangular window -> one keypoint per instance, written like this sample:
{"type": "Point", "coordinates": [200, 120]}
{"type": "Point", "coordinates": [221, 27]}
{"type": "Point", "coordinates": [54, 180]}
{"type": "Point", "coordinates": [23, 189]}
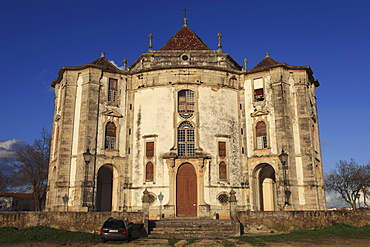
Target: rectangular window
{"type": "Point", "coordinates": [258, 89]}
{"type": "Point", "coordinates": [261, 142]}
{"type": "Point", "coordinates": [149, 150]}
{"type": "Point", "coordinates": [110, 142]}
{"type": "Point", "coordinates": [258, 94]}
{"type": "Point", "coordinates": [112, 90]}
{"type": "Point", "coordinates": [222, 149]}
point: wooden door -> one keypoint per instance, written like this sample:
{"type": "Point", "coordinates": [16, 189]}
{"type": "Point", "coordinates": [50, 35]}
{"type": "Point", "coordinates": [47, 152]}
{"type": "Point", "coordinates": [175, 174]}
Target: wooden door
{"type": "Point", "coordinates": [186, 191]}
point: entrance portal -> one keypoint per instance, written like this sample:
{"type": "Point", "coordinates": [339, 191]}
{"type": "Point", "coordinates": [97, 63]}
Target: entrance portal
{"type": "Point", "coordinates": [266, 188]}
{"type": "Point", "coordinates": [104, 192]}
{"type": "Point", "coordinates": [186, 191]}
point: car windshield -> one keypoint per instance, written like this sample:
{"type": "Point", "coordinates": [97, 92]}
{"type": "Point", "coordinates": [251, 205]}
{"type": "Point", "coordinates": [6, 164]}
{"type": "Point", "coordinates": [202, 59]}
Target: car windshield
{"type": "Point", "coordinates": [114, 224]}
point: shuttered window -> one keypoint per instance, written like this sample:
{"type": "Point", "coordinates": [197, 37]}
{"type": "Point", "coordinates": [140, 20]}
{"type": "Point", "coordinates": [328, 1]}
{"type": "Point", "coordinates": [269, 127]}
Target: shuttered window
{"type": "Point", "coordinates": [112, 90]}
{"type": "Point", "coordinates": [149, 171]}
{"type": "Point", "coordinates": [261, 135]}
{"type": "Point", "coordinates": [222, 171]}
{"type": "Point", "coordinates": [222, 149]}
{"type": "Point", "coordinates": [149, 150]}
{"type": "Point", "coordinates": [110, 136]}
{"type": "Point", "coordinates": [186, 103]}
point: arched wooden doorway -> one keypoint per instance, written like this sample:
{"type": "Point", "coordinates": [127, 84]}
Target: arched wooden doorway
{"type": "Point", "coordinates": [186, 191]}
{"type": "Point", "coordinates": [266, 188]}
{"type": "Point", "coordinates": [104, 189]}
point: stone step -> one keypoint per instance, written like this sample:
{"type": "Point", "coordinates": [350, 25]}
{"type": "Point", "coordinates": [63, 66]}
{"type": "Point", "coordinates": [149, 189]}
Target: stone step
{"type": "Point", "coordinates": [194, 228]}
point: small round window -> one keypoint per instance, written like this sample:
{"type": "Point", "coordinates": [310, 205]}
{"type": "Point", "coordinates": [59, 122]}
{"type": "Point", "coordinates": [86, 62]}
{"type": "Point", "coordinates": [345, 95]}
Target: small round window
{"type": "Point", "coordinates": [185, 57]}
{"type": "Point", "coordinates": [223, 198]}
{"type": "Point", "coordinates": [152, 198]}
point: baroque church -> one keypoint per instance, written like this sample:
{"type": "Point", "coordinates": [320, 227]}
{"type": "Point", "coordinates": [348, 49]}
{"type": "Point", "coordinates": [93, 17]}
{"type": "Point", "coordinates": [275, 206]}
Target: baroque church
{"type": "Point", "coordinates": [189, 125]}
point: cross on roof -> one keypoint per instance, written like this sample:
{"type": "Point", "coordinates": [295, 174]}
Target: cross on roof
{"type": "Point", "coordinates": [185, 19]}
{"type": "Point", "coordinates": [185, 9]}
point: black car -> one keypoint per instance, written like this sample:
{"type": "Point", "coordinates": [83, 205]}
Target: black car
{"type": "Point", "coordinates": [114, 229]}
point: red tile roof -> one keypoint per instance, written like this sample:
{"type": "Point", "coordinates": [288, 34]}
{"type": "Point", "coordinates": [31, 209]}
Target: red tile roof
{"type": "Point", "coordinates": [18, 195]}
{"type": "Point", "coordinates": [265, 63]}
{"type": "Point", "coordinates": [104, 63]}
{"type": "Point", "coordinates": [185, 39]}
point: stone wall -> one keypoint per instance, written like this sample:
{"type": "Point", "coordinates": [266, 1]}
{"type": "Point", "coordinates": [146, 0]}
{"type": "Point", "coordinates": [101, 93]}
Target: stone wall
{"type": "Point", "coordinates": [280, 221]}
{"type": "Point", "coordinates": [73, 221]}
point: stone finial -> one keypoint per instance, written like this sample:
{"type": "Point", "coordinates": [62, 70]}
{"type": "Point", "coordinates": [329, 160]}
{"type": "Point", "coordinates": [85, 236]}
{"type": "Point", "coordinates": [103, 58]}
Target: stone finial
{"type": "Point", "coordinates": [245, 64]}
{"type": "Point", "coordinates": [124, 64]}
{"type": "Point", "coordinates": [150, 42]}
{"type": "Point", "coordinates": [219, 37]}
{"type": "Point", "coordinates": [146, 196]}
{"type": "Point", "coordinates": [102, 54]}
{"type": "Point", "coordinates": [232, 196]}
{"type": "Point", "coordinates": [267, 55]}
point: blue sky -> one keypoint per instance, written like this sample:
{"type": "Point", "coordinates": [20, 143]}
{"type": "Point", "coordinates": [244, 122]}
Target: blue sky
{"type": "Point", "coordinates": [333, 37]}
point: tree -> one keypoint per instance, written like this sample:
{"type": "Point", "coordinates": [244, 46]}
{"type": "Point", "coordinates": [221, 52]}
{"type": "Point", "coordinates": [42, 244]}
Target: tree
{"type": "Point", "coordinates": [4, 182]}
{"type": "Point", "coordinates": [348, 179]}
{"type": "Point", "coordinates": [31, 167]}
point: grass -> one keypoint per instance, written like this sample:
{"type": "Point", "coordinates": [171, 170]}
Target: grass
{"type": "Point", "coordinates": [173, 241]}
{"type": "Point", "coordinates": [42, 233]}
{"type": "Point", "coordinates": [336, 230]}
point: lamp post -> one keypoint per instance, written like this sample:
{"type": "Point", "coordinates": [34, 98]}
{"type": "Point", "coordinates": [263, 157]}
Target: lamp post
{"type": "Point", "coordinates": [160, 198]}
{"type": "Point", "coordinates": [65, 199]}
{"type": "Point", "coordinates": [87, 157]}
{"type": "Point", "coordinates": [283, 157]}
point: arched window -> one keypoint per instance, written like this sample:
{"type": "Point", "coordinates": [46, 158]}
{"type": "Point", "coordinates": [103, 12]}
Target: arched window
{"type": "Point", "coordinates": [186, 103]}
{"type": "Point", "coordinates": [261, 135]}
{"type": "Point", "coordinates": [186, 140]}
{"type": "Point", "coordinates": [110, 136]}
{"type": "Point", "coordinates": [222, 171]}
{"type": "Point", "coordinates": [149, 171]}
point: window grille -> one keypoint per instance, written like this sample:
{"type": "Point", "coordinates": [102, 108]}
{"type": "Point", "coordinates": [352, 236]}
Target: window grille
{"type": "Point", "coordinates": [186, 103]}
{"type": "Point", "coordinates": [261, 135]}
{"type": "Point", "coordinates": [186, 139]}
{"type": "Point", "coordinates": [112, 90]}
{"type": "Point", "coordinates": [223, 198]}
{"type": "Point", "coordinates": [110, 136]}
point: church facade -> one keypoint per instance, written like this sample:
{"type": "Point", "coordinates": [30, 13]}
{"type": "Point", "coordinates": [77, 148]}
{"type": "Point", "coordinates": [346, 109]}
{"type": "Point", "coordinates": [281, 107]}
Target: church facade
{"type": "Point", "coordinates": [188, 124]}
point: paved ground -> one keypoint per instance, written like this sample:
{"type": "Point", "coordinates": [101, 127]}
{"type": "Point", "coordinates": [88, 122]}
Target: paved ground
{"type": "Point", "coordinates": [332, 242]}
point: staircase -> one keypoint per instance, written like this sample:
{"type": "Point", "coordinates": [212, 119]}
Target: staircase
{"type": "Point", "coordinates": [191, 228]}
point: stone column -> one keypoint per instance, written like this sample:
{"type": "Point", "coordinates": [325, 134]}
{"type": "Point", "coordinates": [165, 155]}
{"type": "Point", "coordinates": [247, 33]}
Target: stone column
{"type": "Point", "coordinates": [146, 210]}
{"type": "Point", "coordinates": [232, 201]}
{"type": "Point", "coordinates": [233, 217]}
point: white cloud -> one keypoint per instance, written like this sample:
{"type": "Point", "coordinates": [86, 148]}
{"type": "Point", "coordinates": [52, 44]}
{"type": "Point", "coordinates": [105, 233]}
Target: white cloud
{"type": "Point", "coordinates": [8, 148]}
{"type": "Point", "coordinates": [334, 200]}
{"type": "Point", "coordinates": [114, 63]}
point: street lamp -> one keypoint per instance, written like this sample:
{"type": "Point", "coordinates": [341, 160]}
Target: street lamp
{"type": "Point", "coordinates": [87, 157]}
{"type": "Point", "coordinates": [160, 197]}
{"type": "Point", "coordinates": [283, 157]}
